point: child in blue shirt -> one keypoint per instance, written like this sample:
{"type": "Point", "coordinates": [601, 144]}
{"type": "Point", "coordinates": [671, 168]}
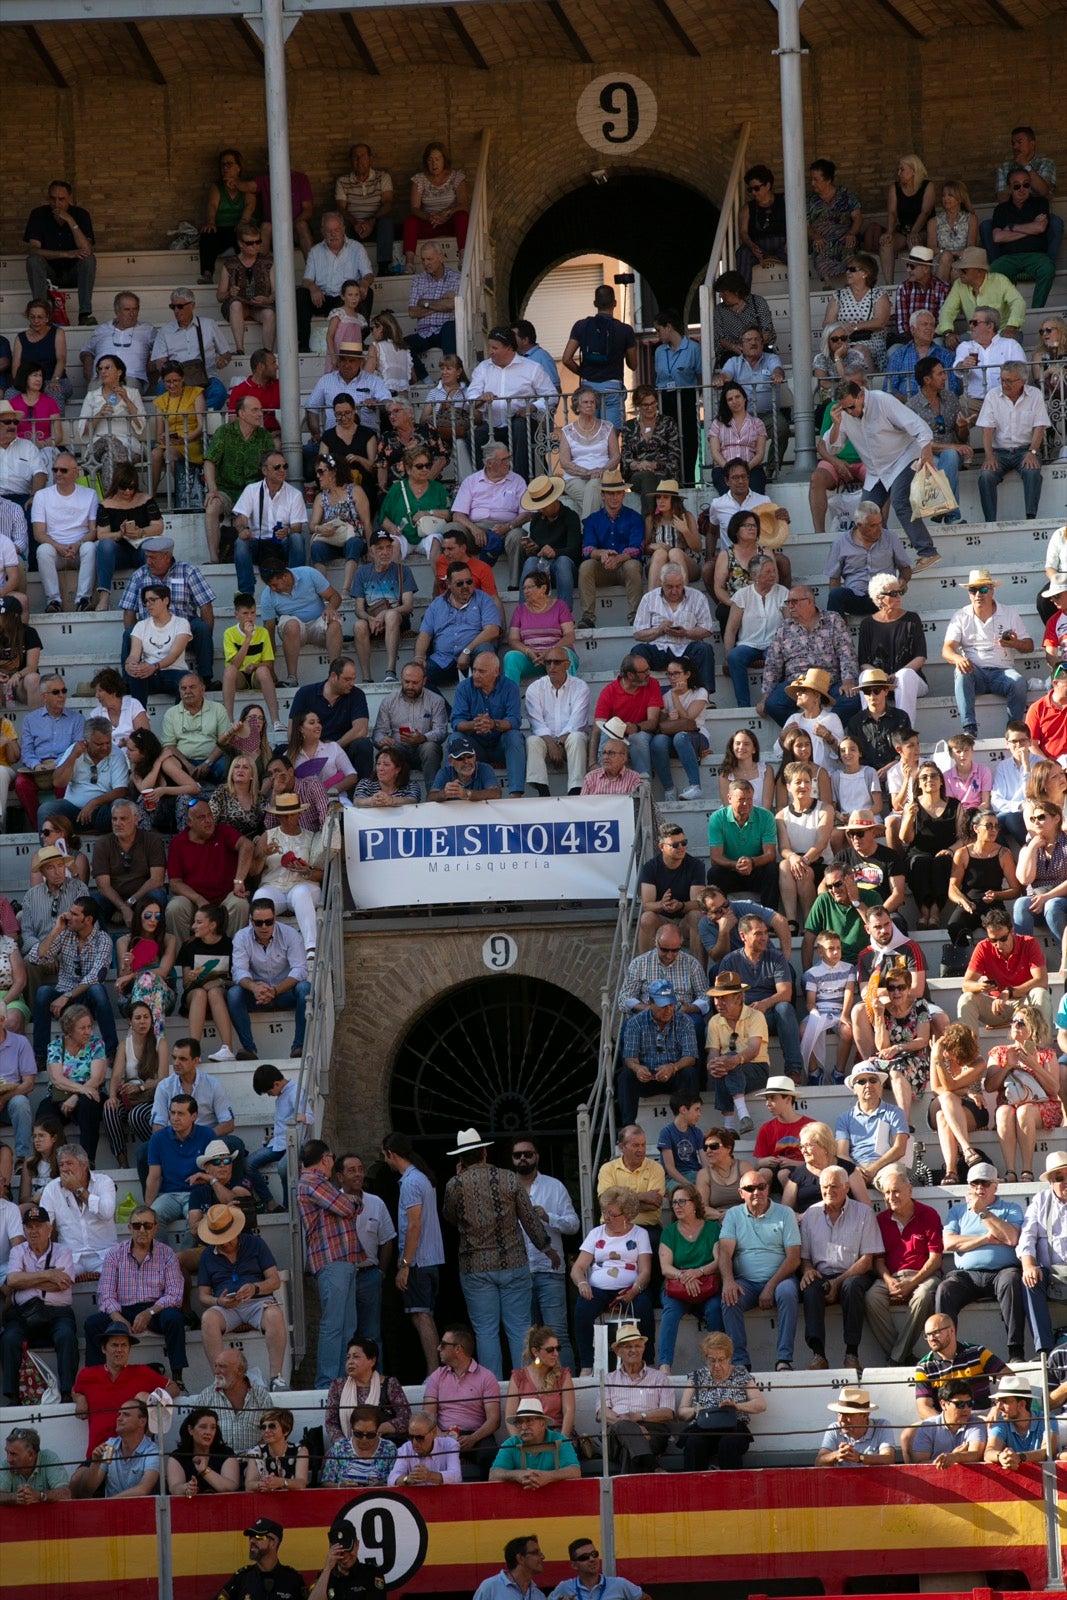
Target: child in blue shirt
{"type": "Point", "coordinates": [830, 988]}
{"type": "Point", "coordinates": [681, 1141]}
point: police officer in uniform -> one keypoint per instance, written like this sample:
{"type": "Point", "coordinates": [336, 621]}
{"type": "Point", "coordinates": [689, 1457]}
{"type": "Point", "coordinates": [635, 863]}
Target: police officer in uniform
{"type": "Point", "coordinates": [265, 1578]}
{"type": "Point", "coordinates": [345, 1576]}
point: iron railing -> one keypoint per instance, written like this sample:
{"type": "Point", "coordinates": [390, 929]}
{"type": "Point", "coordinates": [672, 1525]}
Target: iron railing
{"type": "Point", "coordinates": [596, 1119]}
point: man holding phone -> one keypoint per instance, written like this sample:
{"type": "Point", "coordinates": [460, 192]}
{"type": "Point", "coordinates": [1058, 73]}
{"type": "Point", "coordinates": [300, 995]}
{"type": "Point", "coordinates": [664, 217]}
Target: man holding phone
{"type": "Point", "coordinates": [237, 1280]}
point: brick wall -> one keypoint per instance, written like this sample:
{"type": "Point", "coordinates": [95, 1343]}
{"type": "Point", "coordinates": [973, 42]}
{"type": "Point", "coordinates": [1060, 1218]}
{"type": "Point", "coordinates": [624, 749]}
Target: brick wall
{"type": "Point", "coordinates": [142, 156]}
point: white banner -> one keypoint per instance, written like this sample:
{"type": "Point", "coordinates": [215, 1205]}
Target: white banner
{"type": "Point", "coordinates": [453, 854]}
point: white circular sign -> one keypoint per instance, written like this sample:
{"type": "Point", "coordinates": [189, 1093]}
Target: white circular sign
{"type": "Point", "coordinates": [392, 1535]}
{"type": "Point", "coordinates": [616, 112]}
{"type": "Point", "coordinates": [499, 952]}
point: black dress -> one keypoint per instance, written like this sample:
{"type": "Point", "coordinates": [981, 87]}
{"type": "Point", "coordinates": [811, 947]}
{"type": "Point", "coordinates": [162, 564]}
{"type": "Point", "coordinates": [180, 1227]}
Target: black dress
{"type": "Point", "coordinates": [981, 873]}
{"type": "Point", "coordinates": [927, 872]}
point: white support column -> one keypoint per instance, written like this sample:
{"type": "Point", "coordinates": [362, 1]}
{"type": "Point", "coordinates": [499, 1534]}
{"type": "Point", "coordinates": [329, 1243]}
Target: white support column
{"type": "Point", "coordinates": [275, 31]}
{"type": "Point", "coordinates": [794, 184]}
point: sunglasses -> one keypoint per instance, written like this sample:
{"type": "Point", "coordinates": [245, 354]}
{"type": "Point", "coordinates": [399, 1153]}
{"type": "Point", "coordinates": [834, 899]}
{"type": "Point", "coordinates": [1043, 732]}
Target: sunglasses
{"type": "Point", "coordinates": [364, 1433]}
{"type": "Point", "coordinates": [262, 922]}
{"type": "Point", "coordinates": [896, 988]}
{"type": "Point", "coordinates": [142, 1227]}
{"type": "Point", "coordinates": [980, 588]}
{"type": "Point", "coordinates": [713, 1147]}
{"type": "Point", "coordinates": [839, 338]}
{"type": "Point", "coordinates": [413, 1435]}
{"type": "Point", "coordinates": [221, 1161]}
{"type": "Point", "coordinates": [550, 1349]}
{"type": "Point", "coordinates": [981, 1183]}
{"type": "Point", "coordinates": [420, 464]}
{"type": "Point", "coordinates": [961, 1405]}
{"type": "Point", "coordinates": [754, 1188]}
{"type": "Point", "coordinates": [594, 1555]}
{"type": "Point", "coordinates": [1019, 186]}
{"type": "Point", "coordinates": [977, 322]}
{"type": "Point", "coordinates": [866, 1080]}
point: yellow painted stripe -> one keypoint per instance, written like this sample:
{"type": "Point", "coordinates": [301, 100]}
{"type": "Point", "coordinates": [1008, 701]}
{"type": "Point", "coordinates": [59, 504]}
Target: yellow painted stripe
{"type": "Point", "coordinates": [677, 1535]}
{"type": "Point", "coordinates": [451, 1544]}
{"type": "Point", "coordinates": [51, 1562]}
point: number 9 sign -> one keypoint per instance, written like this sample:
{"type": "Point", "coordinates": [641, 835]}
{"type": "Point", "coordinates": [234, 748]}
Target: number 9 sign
{"type": "Point", "coordinates": [392, 1535]}
{"type": "Point", "coordinates": [616, 112]}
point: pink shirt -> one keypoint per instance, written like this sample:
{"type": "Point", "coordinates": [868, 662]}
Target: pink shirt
{"type": "Point", "coordinates": [482, 500]}
{"type": "Point", "coordinates": [461, 1397]}
{"type": "Point", "coordinates": [598, 782]}
{"type": "Point", "coordinates": [38, 423]}
{"type": "Point", "coordinates": [968, 791]}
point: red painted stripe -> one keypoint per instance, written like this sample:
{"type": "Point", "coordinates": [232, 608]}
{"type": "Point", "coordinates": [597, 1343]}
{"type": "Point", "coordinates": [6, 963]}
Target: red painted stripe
{"type": "Point", "coordinates": [829, 1488]}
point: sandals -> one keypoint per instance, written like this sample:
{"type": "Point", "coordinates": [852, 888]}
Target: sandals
{"type": "Point", "coordinates": [972, 1158]}
{"type": "Point", "coordinates": [951, 1177]}
{"type": "Point", "coordinates": [1009, 1176]}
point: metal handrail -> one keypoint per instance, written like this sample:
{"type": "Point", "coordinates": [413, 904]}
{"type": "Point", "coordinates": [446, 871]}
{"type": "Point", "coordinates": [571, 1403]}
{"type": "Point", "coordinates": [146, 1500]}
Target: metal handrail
{"type": "Point", "coordinates": [596, 1119]}
{"type": "Point", "coordinates": [326, 1000]}
{"type": "Point", "coordinates": [723, 254]}
{"type": "Point", "coordinates": [477, 272]}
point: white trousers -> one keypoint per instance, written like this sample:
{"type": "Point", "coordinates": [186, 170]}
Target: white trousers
{"type": "Point", "coordinates": [82, 555]}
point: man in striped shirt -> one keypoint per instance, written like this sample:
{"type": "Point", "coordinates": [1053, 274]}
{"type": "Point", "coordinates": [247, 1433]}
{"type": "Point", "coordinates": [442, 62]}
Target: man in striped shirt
{"type": "Point", "coordinates": [141, 1285]}
{"type": "Point", "coordinates": [614, 775]}
{"type": "Point", "coordinates": [332, 1252]}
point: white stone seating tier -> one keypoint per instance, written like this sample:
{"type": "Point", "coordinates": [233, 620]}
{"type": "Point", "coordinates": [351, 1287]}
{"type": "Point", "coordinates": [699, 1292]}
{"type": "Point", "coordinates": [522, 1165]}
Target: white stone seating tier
{"type": "Point", "coordinates": [788, 1433]}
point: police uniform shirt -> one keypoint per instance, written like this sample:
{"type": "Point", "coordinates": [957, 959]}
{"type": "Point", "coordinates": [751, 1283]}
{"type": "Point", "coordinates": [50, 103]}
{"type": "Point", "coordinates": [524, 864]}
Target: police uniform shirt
{"type": "Point", "coordinates": [249, 1583]}
{"type": "Point", "coordinates": [362, 1583]}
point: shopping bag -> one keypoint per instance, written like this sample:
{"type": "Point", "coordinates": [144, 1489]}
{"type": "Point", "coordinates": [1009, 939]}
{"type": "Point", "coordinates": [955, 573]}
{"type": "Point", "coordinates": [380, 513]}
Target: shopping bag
{"type": "Point", "coordinates": [930, 493]}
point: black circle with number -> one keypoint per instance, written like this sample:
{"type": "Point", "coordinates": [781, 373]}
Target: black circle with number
{"type": "Point", "coordinates": [392, 1534]}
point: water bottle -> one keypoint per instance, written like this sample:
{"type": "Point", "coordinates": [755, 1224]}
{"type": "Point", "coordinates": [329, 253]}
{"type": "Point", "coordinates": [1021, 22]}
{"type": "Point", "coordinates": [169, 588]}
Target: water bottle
{"type": "Point", "coordinates": [544, 566]}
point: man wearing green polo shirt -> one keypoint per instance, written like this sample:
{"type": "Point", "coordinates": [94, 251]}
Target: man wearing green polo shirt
{"type": "Point", "coordinates": [839, 908]}
{"type": "Point", "coordinates": [744, 846]}
{"type": "Point", "coordinates": [977, 286]}
{"type": "Point", "coordinates": [232, 460]}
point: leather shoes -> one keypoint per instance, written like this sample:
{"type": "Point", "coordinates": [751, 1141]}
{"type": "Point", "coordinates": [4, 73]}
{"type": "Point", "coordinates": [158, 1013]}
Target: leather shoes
{"type": "Point", "coordinates": [818, 1364]}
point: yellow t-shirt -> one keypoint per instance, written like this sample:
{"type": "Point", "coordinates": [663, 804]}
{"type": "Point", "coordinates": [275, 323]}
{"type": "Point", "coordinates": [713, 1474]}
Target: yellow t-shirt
{"type": "Point", "coordinates": [7, 731]}
{"type": "Point", "coordinates": [751, 1024]}
{"type": "Point", "coordinates": [649, 1175]}
{"type": "Point", "coordinates": [180, 412]}
{"type": "Point", "coordinates": [260, 651]}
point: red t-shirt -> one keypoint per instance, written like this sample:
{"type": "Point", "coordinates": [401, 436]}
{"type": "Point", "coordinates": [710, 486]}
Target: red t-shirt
{"type": "Point", "coordinates": [482, 575]}
{"type": "Point", "coordinates": [208, 868]}
{"type": "Point", "coordinates": [780, 1138]}
{"type": "Point", "coordinates": [269, 394]}
{"type": "Point", "coordinates": [631, 706]}
{"type": "Point", "coordinates": [1007, 972]}
{"type": "Point", "coordinates": [1048, 726]}
{"type": "Point", "coordinates": [908, 1248]}
{"type": "Point", "coordinates": [104, 1395]}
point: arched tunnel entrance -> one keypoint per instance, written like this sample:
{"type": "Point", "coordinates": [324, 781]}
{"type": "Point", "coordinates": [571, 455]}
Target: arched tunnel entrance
{"type": "Point", "coordinates": [663, 227]}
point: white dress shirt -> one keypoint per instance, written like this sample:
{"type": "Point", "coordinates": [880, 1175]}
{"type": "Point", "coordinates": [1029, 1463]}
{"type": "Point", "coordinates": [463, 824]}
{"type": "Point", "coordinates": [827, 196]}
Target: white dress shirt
{"type": "Point", "coordinates": [1013, 421]}
{"type": "Point", "coordinates": [374, 1225]}
{"type": "Point", "coordinates": [328, 270]}
{"type": "Point", "coordinates": [554, 713]}
{"type": "Point", "coordinates": [692, 611]}
{"type": "Point", "coordinates": [887, 437]}
{"type": "Point", "coordinates": [265, 512]}
{"type": "Point", "coordinates": [986, 375]}
{"type": "Point", "coordinates": [132, 346]}
{"type": "Point", "coordinates": [980, 641]}
{"type": "Point", "coordinates": [512, 387]}
{"type": "Point", "coordinates": [20, 462]}
{"type": "Point", "coordinates": [552, 1197]}
{"type": "Point", "coordinates": [88, 1233]}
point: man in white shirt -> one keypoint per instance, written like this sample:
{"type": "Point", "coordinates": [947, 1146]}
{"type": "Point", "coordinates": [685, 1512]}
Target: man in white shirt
{"type": "Point", "coordinates": [980, 358]}
{"type": "Point", "coordinates": [554, 1206]}
{"type": "Point", "coordinates": [23, 469]}
{"type": "Point", "coordinates": [675, 621]}
{"type": "Point", "coordinates": [738, 497]}
{"type": "Point", "coordinates": [377, 1237]}
{"type": "Point", "coordinates": [329, 264]}
{"type": "Point", "coordinates": [557, 707]}
{"type": "Point", "coordinates": [1013, 420]}
{"type": "Point", "coordinates": [81, 1204]}
{"type": "Point", "coordinates": [270, 517]}
{"type": "Point", "coordinates": [887, 438]}
{"type": "Point", "coordinates": [514, 388]}
{"type": "Point", "coordinates": [1009, 780]}
{"type": "Point", "coordinates": [64, 529]}
{"type": "Point", "coordinates": [978, 643]}
{"type": "Point", "coordinates": [125, 336]}
{"type": "Point", "coordinates": [197, 343]}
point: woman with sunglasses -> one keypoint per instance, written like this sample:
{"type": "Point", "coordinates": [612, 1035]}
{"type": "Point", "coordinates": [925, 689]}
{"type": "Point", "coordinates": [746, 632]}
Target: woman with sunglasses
{"type": "Point", "coordinates": [718, 1181]}
{"type": "Point", "coordinates": [414, 499]}
{"type": "Point", "coordinates": [761, 224]}
{"type": "Point", "coordinates": [688, 1259]}
{"type": "Point", "coordinates": [543, 1376]}
{"type": "Point", "coordinates": [894, 640]}
{"type": "Point", "coordinates": [144, 958]}
{"type": "Point", "coordinates": [1025, 1077]}
{"type": "Point", "coordinates": [246, 287]}
{"type": "Point", "coordinates": [928, 834]}
{"type": "Point", "coordinates": [901, 1024]}
{"type": "Point", "coordinates": [276, 1465]}
{"type": "Point", "coordinates": [1048, 364]}
{"type": "Point", "coordinates": [340, 518]}
{"type": "Point", "coordinates": [863, 309]}
{"type": "Point", "coordinates": [956, 1067]}
{"type": "Point", "coordinates": [361, 1459]}
{"type": "Point", "coordinates": [983, 874]}
{"type": "Point", "coordinates": [1042, 871]}
{"type": "Point", "coordinates": [836, 360]}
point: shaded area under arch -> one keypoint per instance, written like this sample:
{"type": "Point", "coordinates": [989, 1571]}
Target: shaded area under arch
{"type": "Point", "coordinates": [663, 228]}
{"type": "Point", "coordinates": [501, 1054]}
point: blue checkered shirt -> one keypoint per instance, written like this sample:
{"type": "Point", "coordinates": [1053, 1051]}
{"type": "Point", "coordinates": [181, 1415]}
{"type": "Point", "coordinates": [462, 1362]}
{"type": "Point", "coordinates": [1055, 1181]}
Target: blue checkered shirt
{"type": "Point", "coordinates": [189, 590]}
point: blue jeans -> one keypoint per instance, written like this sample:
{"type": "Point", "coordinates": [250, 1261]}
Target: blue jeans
{"type": "Point", "coordinates": [369, 1302]}
{"type": "Point", "coordinates": [292, 548]}
{"type": "Point", "coordinates": [786, 1301]}
{"type": "Point", "coordinates": [563, 576]}
{"type": "Point", "coordinates": [708, 1315]}
{"type": "Point", "coordinates": [1055, 915]}
{"type": "Point", "coordinates": [782, 1021]}
{"type": "Point", "coordinates": [255, 1166]}
{"type": "Point", "coordinates": [171, 1207]}
{"type": "Point", "coordinates": [1002, 681]}
{"type": "Point", "coordinates": [698, 651]}
{"type": "Point", "coordinates": [641, 753]}
{"type": "Point", "coordinates": [548, 1305]}
{"type": "Point", "coordinates": [97, 1001]}
{"type": "Point", "coordinates": [336, 1283]}
{"type": "Point", "coordinates": [203, 647]}
{"type": "Point", "coordinates": [723, 1089]}
{"type": "Point", "coordinates": [682, 744]}
{"type": "Point", "coordinates": [629, 1091]}
{"type": "Point", "coordinates": [1038, 1312]}
{"type": "Point", "coordinates": [610, 408]}
{"type": "Point", "coordinates": [239, 1002]}
{"type": "Point", "coordinates": [16, 1112]}
{"type": "Point", "coordinates": [512, 745]}
{"type": "Point", "coordinates": [418, 343]}
{"type": "Point", "coordinates": [1009, 461]}
{"type": "Point", "coordinates": [164, 680]}
{"type": "Point", "coordinates": [738, 661]}
{"type": "Point", "coordinates": [322, 553]}
{"type": "Point", "coordinates": [900, 495]}
{"type": "Point", "coordinates": [169, 1322]}
{"type": "Point", "coordinates": [949, 463]}
{"type": "Point", "coordinates": [587, 1311]}
{"type": "Point", "coordinates": [493, 1298]}
{"type": "Point", "coordinates": [99, 822]}
{"type": "Point", "coordinates": [115, 555]}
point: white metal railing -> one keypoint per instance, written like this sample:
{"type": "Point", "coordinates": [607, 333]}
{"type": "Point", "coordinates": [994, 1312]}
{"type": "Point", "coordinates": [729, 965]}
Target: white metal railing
{"type": "Point", "coordinates": [472, 322]}
{"type": "Point", "coordinates": [723, 255]}
{"type": "Point", "coordinates": [325, 1002]}
{"type": "Point", "coordinates": [596, 1119]}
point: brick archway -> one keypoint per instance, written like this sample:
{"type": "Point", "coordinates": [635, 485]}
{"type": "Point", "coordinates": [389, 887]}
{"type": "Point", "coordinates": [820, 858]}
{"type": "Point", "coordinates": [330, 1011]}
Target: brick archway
{"type": "Point", "coordinates": [662, 227]}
